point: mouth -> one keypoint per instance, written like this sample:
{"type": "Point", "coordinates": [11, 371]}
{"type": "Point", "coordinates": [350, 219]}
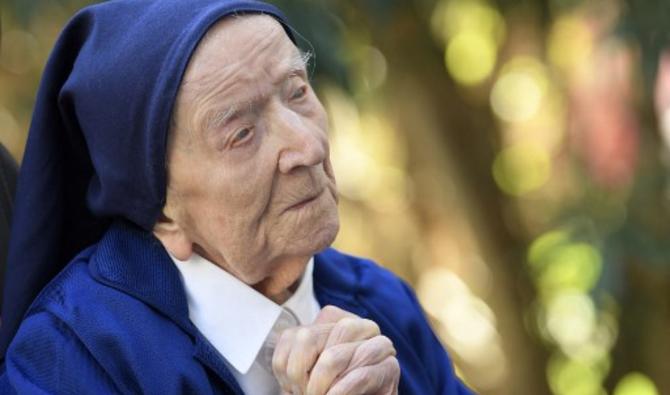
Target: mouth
{"type": "Point", "coordinates": [305, 202]}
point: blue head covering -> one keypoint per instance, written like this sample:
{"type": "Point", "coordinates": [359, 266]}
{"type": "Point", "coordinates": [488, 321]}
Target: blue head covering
{"type": "Point", "coordinates": [96, 147]}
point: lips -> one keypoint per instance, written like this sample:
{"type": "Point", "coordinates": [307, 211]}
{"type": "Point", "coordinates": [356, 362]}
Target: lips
{"type": "Point", "coordinates": [304, 202]}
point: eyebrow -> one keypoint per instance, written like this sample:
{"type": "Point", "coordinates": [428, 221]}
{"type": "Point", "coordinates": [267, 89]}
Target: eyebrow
{"type": "Point", "coordinates": [297, 66]}
{"type": "Point", "coordinates": [220, 118]}
{"type": "Point", "coordinates": [300, 60]}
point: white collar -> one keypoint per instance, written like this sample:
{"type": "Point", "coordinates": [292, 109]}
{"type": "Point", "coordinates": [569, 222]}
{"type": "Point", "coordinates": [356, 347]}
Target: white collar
{"type": "Point", "coordinates": [235, 318]}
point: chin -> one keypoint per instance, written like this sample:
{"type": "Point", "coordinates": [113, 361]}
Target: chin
{"type": "Point", "coordinates": [326, 236]}
{"type": "Point", "coordinates": [321, 236]}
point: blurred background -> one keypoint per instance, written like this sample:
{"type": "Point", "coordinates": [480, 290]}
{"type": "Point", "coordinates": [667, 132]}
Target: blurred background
{"type": "Point", "coordinates": [509, 158]}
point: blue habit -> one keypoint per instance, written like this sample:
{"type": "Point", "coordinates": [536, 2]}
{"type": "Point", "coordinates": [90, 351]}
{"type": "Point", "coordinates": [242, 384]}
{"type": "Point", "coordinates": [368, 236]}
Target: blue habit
{"type": "Point", "coordinates": [116, 321]}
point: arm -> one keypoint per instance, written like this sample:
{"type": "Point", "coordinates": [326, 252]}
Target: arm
{"type": "Point", "coordinates": [47, 357]}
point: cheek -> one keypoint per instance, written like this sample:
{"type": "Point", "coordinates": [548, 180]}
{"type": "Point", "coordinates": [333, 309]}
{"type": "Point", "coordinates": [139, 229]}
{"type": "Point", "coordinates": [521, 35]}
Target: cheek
{"type": "Point", "coordinates": [321, 116]}
{"type": "Point", "coordinates": [252, 184]}
{"type": "Point", "coordinates": [238, 203]}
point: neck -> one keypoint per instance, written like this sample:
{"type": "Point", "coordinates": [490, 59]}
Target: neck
{"type": "Point", "coordinates": [279, 286]}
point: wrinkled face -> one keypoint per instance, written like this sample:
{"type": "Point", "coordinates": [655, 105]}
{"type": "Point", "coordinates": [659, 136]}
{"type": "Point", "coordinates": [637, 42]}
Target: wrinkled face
{"type": "Point", "coordinates": [250, 184]}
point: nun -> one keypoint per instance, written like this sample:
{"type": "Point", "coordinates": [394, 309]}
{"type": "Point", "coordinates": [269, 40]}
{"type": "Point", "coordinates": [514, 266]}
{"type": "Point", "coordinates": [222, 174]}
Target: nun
{"type": "Point", "coordinates": [173, 217]}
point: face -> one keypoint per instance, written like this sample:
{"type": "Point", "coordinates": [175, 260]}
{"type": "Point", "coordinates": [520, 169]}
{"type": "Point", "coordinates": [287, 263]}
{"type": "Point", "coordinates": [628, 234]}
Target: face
{"type": "Point", "coordinates": [250, 184]}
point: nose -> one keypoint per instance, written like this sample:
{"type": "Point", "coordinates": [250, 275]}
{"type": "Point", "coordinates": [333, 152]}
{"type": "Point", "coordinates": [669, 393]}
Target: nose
{"type": "Point", "coordinates": [303, 143]}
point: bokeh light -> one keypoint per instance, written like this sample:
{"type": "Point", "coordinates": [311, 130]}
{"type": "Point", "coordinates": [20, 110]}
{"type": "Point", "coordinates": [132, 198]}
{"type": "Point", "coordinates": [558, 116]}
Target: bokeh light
{"type": "Point", "coordinates": [472, 31]}
{"type": "Point", "coordinates": [467, 323]}
{"type": "Point", "coordinates": [570, 43]}
{"type": "Point", "coordinates": [456, 16]}
{"type": "Point", "coordinates": [570, 377]}
{"type": "Point", "coordinates": [635, 383]}
{"type": "Point", "coordinates": [373, 68]}
{"type": "Point", "coordinates": [560, 263]}
{"type": "Point", "coordinates": [571, 319]}
{"type": "Point", "coordinates": [370, 161]}
{"type": "Point", "coordinates": [470, 57]}
{"type": "Point", "coordinates": [521, 168]}
{"type": "Point", "coordinates": [518, 93]}
{"type": "Point", "coordinates": [576, 265]}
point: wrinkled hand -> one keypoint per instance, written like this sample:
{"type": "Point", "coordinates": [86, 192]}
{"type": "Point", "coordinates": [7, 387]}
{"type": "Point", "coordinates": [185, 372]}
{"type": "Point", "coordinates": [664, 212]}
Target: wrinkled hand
{"type": "Point", "coordinates": [340, 353]}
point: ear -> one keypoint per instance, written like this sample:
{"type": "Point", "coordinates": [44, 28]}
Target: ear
{"type": "Point", "coordinates": [172, 236]}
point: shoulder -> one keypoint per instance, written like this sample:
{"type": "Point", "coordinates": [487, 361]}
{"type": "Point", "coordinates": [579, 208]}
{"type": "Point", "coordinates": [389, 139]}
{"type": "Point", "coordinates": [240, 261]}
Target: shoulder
{"type": "Point", "coordinates": [100, 314]}
{"type": "Point", "coordinates": [361, 277]}
{"type": "Point", "coordinates": [365, 288]}
{"type": "Point", "coordinates": [113, 286]}
{"type": "Point", "coordinates": [83, 324]}
{"type": "Point", "coordinates": [73, 284]}
{"type": "Point", "coordinates": [77, 299]}
{"type": "Point", "coordinates": [48, 344]}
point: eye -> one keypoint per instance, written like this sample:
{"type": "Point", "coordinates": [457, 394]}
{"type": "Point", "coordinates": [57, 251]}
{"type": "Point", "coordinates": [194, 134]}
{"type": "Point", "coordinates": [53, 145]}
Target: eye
{"type": "Point", "coordinates": [299, 93]}
{"type": "Point", "coordinates": [241, 136]}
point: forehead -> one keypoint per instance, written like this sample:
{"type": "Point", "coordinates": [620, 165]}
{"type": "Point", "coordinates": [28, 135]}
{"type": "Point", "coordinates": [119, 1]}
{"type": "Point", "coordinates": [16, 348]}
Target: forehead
{"type": "Point", "coordinates": [239, 44]}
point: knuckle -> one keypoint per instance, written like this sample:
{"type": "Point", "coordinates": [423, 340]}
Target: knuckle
{"type": "Point", "coordinates": [343, 330]}
{"type": "Point", "coordinates": [329, 358]}
{"type": "Point", "coordinates": [335, 357]}
{"type": "Point", "coordinates": [331, 309]}
{"type": "Point", "coordinates": [387, 343]}
{"type": "Point", "coordinates": [372, 326]}
{"type": "Point", "coordinates": [394, 365]}
{"type": "Point", "coordinates": [303, 335]}
{"type": "Point", "coordinates": [286, 335]}
{"type": "Point", "coordinates": [347, 321]}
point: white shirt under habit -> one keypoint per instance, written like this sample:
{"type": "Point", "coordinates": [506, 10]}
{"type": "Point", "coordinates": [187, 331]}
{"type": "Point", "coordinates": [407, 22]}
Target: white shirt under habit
{"type": "Point", "coordinates": [241, 323]}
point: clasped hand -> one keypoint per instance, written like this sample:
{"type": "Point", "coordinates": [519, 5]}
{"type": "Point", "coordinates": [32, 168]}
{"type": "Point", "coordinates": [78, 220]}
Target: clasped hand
{"type": "Point", "coordinates": [339, 354]}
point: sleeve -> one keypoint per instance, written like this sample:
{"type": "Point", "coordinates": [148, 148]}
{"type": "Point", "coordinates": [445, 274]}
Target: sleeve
{"type": "Point", "coordinates": [47, 357]}
{"type": "Point", "coordinates": [431, 351]}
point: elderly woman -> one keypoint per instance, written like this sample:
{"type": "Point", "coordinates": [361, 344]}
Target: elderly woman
{"type": "Point", "coordinates": [178, 160]}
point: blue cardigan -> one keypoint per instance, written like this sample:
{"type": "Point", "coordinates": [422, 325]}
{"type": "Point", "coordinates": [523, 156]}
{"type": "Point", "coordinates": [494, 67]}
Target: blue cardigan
{"type": "Point", "coordinates": [115, 320]}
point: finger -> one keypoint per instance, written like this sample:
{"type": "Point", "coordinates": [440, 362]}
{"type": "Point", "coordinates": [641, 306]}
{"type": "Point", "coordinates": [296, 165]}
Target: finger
{"type": "Point", "coordinates": [333, 364]}
{"type": "Point", "coordinates": [330, 364]}
{"type": "Point", "coordinates": [308, 343]}
{"type": "Point", "coordinates": [349, 329]}
{"type": "Point", "coordinates": [332, 314]}
{"type": "Point", "coordinates": [280, 358]}
{"type": "Point", "coordinates": [371, 352]}
{"type": "Point", "coordinates": [381, 378]}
